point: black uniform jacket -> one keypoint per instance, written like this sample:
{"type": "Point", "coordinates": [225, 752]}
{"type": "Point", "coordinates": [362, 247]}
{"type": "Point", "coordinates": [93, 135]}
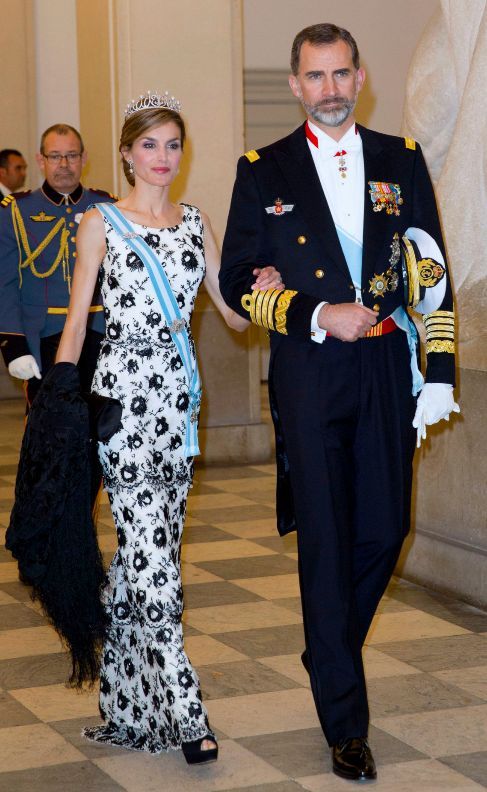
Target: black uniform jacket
{"type": "Point", "coordinates": [302, 243]}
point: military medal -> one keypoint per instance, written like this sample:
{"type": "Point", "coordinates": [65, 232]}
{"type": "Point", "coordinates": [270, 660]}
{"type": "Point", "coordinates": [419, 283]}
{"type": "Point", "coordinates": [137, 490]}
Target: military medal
{"type": "Point", "coordinates": [342, 163]}
{"type": "Point", "coordinates": [279, 208]}
{"type": "Point", "coordinates": [395, 250]}
{"type": "Point", "coordinates": [379, 285]}
{"type": "Point", "coordinates": [385, 195]}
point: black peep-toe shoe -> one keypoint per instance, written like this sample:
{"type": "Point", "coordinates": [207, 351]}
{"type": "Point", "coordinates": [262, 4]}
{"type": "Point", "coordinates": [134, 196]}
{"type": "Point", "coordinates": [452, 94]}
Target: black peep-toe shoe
{"type": "Point", "coordinates": [194, 754]}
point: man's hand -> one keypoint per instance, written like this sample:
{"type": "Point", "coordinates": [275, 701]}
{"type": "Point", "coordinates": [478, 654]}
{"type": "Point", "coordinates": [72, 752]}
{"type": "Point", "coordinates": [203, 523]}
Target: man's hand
{"type": "Point", "coordinates": [267, 278]}
{"type": "Point", "coordinates": [435, 403]}
{"type": "Point", "coordinates": [24, 367]}
{"type": "Point", "coordinates": [346, 321]}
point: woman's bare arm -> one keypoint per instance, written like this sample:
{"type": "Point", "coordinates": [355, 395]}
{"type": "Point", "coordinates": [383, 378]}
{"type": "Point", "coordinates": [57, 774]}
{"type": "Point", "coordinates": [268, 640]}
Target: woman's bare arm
{"type": "Point", "coordinates": [267, 278]}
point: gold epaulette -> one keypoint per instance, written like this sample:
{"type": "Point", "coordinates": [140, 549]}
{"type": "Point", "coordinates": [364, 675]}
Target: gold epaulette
{"type": "Point", "coordinates": [269, 308]}
{"type": "Point", "coordinates": [104, 193]}
{"type": "Point", "coordinates": [440, 331]}
{"type": "Point", "coordinates": [252, 155]}
{"type": "Point", "coordinates": [14, 197]}
{"type": "Point", "coordinates": [410, 143]}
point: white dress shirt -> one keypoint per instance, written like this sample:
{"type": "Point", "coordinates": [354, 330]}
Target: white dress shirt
{"type": "Point", "coordinates": [4, 190]}
{"type": "Point", "coordinates": [344, 193]}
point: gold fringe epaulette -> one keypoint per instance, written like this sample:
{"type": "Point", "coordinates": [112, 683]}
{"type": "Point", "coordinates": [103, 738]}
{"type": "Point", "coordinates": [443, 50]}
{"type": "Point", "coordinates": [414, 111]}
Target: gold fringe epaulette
{"type": "Point", "coordinates": [410, 143]}
{"type": "Point", "coordinates": [252, 155]}
{"type": "Point", "coordinates": [269, 308]}
{"type": "Point", "coordinates": [440, 331]}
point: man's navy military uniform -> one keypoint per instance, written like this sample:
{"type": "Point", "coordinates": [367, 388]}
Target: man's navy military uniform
{"type": "Point", "coordinates": [37, 258]}
{"type": "Point", "coordinates": [342, 411]}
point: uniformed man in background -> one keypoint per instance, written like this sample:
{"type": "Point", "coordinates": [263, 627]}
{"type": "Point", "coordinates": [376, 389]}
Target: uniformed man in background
{"type": "Point", "coordinates": [37, 258]}
{"type": "Point", "coordinates": [348, 217]}
{"type": "Point", "coordinates": [13, 170]}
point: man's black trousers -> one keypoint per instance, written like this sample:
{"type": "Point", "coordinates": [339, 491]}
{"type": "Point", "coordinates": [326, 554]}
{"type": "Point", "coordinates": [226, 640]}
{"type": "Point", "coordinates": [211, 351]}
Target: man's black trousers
{"type": "Point", "coordinates": [346, 411]}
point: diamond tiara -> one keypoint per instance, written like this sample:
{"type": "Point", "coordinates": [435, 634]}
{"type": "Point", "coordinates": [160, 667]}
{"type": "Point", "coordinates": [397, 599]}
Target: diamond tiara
{"type": "Point", "coordinates": [150, 99]}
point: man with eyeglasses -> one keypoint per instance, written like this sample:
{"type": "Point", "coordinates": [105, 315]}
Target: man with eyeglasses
{"type": "Point", "coordinates": [37, 258]}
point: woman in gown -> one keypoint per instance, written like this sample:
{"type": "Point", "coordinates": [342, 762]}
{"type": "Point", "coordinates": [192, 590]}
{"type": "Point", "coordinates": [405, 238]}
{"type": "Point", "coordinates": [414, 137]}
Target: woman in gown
{"type": "Point", "coordinates": [150, 695]}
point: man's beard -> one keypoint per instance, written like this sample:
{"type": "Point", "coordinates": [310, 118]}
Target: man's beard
{"type": "Point", "coordinates": [331, 117]}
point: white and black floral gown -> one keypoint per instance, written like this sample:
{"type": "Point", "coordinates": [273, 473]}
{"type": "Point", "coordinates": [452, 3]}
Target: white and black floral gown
{"type": "Point", "coordinates": [149, 694]}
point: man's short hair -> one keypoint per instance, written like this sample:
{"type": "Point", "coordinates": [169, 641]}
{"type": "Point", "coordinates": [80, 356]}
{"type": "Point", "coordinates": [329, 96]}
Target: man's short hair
{"type": "Point", "coordinates": [323, 33]}
{"type": "Point", "coordinates": [61, 129]}
{"type": "Point", "coordinates": [5, 154]}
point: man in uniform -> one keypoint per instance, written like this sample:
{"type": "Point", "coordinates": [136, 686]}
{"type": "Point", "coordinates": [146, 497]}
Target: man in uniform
{"type": "Point", "coordinates": [348, 217]}
{"type": "Point", "coordinates": [37, 258]}
{"type": "Point", "coordinates": [13, 170]}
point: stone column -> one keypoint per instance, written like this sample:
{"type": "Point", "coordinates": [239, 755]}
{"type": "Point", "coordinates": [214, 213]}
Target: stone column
{"type": "Point", "coordinates": [449, 550]}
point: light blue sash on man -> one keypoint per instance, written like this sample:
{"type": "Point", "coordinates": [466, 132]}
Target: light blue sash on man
{"type": "Point", "coordinates": [171, 312]}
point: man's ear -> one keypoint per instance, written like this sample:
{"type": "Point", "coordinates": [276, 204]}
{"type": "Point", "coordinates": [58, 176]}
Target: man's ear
{"type": "Point", "coordinates": [41, 162]}
{"type": "Point", "coordinates": [294, 86]}
{"type": "Point", "coordinates": [360, 79]}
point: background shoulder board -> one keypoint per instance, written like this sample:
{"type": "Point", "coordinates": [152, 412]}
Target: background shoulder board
{"type": "Point", "coordinates": [7, 200]}
{"type": "Point", "coordinates": [410, 143]}
{"type": "Point", "coordinates": [103, 193]}
{"type": "Point", "coordinates": [252, 155]}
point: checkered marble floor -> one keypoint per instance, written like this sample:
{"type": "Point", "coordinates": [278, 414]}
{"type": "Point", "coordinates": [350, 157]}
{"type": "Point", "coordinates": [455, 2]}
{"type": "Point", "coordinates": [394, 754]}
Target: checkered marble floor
{"type": "Point", "coordinates": [426, 662]}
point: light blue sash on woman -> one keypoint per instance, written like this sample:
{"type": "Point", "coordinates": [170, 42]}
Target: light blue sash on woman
{"type": "Point", "coordinates": [172, 315]}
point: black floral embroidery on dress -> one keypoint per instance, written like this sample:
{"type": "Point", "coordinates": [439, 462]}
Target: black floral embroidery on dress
{"type": "Point", "coordinates": [113, 330]}
{"type": "Point", "coordinates": [133, 262]}
{"type": "Point", "coordinates": [153, 240]}
{"type": "Point", "coordinates": [153, 319]}
{"type": "Point", "coordinates": [138, 405]}
{"type": "Point", "coordinates": [150, 697]}
{"type": "Point", "coordinates": [127, 300]}
{"type": "Point", "coordinates": [156, 381]}
{"type": "Point", "coordinates": [189, 261]}
{"type": "Point", "coordinates": [197, 241]}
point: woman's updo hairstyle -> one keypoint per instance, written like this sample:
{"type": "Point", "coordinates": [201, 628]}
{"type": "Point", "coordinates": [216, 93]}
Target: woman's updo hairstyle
{"type": "Point", "coordinates": [137, 124]}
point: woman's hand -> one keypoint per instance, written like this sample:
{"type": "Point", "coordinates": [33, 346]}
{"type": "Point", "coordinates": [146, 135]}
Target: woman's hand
{"type": "Point", "coordinates": [267, 278]}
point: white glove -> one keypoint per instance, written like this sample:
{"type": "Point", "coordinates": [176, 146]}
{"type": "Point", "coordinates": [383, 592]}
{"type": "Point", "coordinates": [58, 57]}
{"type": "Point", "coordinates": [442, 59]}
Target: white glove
{"type": "Point", "coordinates": [435, 402]}
{"type": "Point", "coordinates": [24, 367]}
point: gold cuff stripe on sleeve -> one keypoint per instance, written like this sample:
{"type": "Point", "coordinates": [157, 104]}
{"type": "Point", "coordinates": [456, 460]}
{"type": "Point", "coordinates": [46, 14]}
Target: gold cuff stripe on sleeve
{"type": "Point", "coordinates": [260, 305]}
{"type": "Point", "coordinates": [433, 314]}
{"type": "Point", "coordinates": [270, 309]}
{"type": "Point", "coordinates": [443, 320]}
{"type": "Point", "coordinates": [439, 326]}
{"type": "Point", "coordinates": [264, 311]}
{"type": "Point", "coordinates": [440, 332]}
{"type": "Point", "coordinates": [431, 336]}
{"type": "Point", "coordinates": [440, 346]}
{"type": "Point", "coordinates": [265, 308]}
{"type": "Point", "coordinates": [432, 329]}
{"type": "Point", "coordinates": [259, 319]}
{"type": "Point", "coordinates": [439, 318]}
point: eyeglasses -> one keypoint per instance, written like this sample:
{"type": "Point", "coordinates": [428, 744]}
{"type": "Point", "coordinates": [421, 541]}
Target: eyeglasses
{"type": "Point", "coordinates": [72, 157]}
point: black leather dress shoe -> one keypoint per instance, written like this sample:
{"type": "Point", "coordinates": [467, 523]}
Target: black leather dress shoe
{"type": "Point", "coordinates": [352, 759]}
